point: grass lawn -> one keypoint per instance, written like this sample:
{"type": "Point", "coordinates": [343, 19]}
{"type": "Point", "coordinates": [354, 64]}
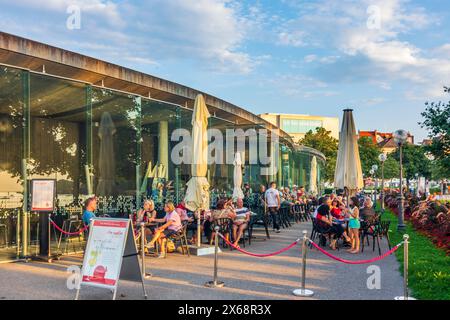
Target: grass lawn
{"type": "Point", "coordinates": [429, 267]}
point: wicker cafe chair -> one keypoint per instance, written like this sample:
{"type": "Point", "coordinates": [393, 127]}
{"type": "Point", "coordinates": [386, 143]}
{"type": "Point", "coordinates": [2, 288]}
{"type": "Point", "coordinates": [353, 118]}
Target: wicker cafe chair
{"type": "Point", "coordinates": [224, 225]}
{"type": "Point", "coordinates": [180, 237]}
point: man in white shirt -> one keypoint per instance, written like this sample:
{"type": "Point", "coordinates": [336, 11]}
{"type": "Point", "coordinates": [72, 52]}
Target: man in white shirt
{"type": "Point", "coordinates": [272, 197]}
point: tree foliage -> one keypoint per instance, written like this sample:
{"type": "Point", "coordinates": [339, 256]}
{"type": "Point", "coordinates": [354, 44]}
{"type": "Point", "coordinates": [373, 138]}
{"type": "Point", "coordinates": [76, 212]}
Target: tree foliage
{"type": "Point", "coordinates": [391, 168]}
{"type": "Point", "coordinates": [368, 153]}
{"type": "Point", "coordinates": [414, 161]}
{"type": "Point", "coordinates": [437, 122]}
{"type": "Point", "coordinates": [322, 141]}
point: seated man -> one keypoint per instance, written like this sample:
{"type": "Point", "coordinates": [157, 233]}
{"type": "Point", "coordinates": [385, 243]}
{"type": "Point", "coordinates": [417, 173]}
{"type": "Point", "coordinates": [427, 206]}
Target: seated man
{"type": "Point", "coordinates": [241, 221]}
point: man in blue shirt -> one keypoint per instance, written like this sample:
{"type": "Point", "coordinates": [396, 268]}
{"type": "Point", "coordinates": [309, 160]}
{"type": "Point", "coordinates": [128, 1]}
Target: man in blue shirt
{"type": "Point", "coordinates": [89, 209]}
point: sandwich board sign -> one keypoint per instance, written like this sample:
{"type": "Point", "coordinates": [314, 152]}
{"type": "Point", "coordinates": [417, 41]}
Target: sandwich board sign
{"type": "Point", "coordinates": [111, 254]}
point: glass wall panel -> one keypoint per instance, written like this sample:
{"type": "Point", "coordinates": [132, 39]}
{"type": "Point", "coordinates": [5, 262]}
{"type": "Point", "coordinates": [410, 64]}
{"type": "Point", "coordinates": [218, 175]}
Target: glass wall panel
{"type": "Point", "coordinates": [220, 175]}
{"type": "Point", "coordinates": [159, 121]}
{"type": "Point", "coordinates": [11, 154]}
{"type": "Point", "coordinates": [115, 150]}
{"type": "Point", "coordinates": [58, 149]}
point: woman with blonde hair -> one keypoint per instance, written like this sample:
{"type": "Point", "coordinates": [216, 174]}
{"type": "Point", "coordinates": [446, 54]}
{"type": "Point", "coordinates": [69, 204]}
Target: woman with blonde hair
{"type": "Point", "coordinates": [144, 215]}
{"type": "Point", "coordinates": [172, 224]}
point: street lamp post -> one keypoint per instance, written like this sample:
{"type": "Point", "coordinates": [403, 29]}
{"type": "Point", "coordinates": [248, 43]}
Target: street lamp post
{"type": "Point", "coordinates": [416, 189]}
{"type": "Point", "coordinates": [371, 172]}
{"type": "Point", "coordinates": [400, 137]}
{"type": "Point", "coordinates": [375, 169]}
{"type": "Point", "coordinates": [382, 157]}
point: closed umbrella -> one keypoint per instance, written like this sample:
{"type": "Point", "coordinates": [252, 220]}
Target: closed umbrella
{"type": "Point", "coordinates": [106, 160]}
{"type": "Point", "coordinates": [313, 176]}
{"type": "Point", "coordinates": [197, 192]}
{"type": "Point", "coordinates": [348, 172]}
{"type": "Point", "coordinates": [237, 178]}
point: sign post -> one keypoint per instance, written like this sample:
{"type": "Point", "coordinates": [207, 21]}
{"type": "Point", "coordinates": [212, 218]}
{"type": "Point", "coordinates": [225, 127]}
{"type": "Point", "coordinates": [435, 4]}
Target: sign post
{"type": "Point", "coordinates": [111, 254]}
{"type": "Point", "coordinates": [43, 193]}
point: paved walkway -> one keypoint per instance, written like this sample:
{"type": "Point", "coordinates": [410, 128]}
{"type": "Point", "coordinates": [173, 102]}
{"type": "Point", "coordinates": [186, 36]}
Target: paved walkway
{"type": "Point", "coordinates": [246, 277]}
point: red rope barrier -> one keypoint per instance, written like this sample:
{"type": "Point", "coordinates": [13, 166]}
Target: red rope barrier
{"type": "Point", "coordinates": [259, 255]}
{"type": "Point", "coordinates": [68, 233]}
{"type": "Point", "coordinates": [358, 261]}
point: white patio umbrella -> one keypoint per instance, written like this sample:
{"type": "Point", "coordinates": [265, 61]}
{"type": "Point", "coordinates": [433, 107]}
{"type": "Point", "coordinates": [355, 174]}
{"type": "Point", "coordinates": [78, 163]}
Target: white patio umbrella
{"type": "Point", "coordinates": [197, 192]}
{"type": "Point", "coordinates": [237, 178]}
{"type": "Point", "coordinates": [313, 176]}
{"type": "Point", "coordinates": [106, 160]}
{"type": "Point", "coordinates": [348, 172]}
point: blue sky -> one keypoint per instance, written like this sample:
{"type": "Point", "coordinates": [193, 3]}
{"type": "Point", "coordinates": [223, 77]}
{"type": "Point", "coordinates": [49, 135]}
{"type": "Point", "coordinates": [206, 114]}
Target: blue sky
{"type": "Point", "coordinates": [382, 58]}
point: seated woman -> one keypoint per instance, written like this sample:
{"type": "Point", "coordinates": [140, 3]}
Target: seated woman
{"type": "Point", "coordinates": [172, 224]}
{"type": "Point", "coordinates": [187, 216]}
{"type": "Point", "coordinates": [324, 220]}
{"type": "Point", "coordinates": [367, 211]}
{"type": "Point", "coordinates": [224, 209]}
{"type": "Point", "coordinates": [241, 221]}
{"type": "Point", "coordinates": [144, 215]}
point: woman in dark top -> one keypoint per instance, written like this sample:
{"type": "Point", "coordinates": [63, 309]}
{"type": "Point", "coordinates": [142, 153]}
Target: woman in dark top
{"type": "Point", "coordinates": [325, 220]}
{"type": "Point", "coordinates": [144, 215]}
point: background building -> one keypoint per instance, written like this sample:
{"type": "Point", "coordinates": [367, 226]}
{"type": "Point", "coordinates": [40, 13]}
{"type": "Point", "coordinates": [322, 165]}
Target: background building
{"type": "Point", "coordinates": [297, 125]}
{"type": "Point", "coordinates": [384, 140]}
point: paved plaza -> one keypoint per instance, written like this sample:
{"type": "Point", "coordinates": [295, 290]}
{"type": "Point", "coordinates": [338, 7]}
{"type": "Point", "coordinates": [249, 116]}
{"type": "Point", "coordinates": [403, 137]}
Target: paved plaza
{"type": "Point", "coordinates": [245, 277]}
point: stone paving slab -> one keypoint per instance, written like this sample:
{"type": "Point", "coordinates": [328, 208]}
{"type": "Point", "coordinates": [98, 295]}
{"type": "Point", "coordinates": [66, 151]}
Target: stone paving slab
{"type": "Point", "coordinates": [245, 277]}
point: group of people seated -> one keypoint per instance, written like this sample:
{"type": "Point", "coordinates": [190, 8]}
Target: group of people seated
{"type": "Point", "coordinates": [335, 217]}
{"type": "Point", "coordinates": [159, 229]}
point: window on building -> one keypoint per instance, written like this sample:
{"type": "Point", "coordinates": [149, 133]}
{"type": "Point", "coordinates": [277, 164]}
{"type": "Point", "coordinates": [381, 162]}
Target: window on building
{"type": "Point", "coordinates": [300, 125]}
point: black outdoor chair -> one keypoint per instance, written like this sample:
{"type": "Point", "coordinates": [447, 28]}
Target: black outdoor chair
{"type": "Point", "coordinates": [371, 227]}
{"type": "Point", "coordinates": [320, 232]}
{"type": "Point", "coordinates": [296, 210]}
{"type": "Point", "coordinates": [262, 219]}
{"type": "Point", "coordinates": [283, 217]}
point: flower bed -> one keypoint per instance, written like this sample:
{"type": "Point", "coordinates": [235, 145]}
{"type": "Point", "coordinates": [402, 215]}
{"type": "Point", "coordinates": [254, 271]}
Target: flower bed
{"type": "Point", "coordinates": [432, 218]}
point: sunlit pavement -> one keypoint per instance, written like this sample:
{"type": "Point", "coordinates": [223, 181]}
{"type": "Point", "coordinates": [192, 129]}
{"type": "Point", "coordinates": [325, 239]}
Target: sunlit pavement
{"type": "Point", "coordinates": [245, 277]}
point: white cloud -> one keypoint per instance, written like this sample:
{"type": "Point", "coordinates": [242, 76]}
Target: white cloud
{"type": "Point", "coordinates": [210, 33]}
{"type": "Point", "coordinates": [380, 55]}
{"type": "Point", "coordinates": [107, 10]}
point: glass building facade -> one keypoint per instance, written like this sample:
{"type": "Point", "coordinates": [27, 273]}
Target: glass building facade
{"type": "Point", "coordinates": [95, 140]}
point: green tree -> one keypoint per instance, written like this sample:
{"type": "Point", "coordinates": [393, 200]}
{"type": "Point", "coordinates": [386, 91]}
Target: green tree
{"type": "Point", "coordinates": [368, 153]}
{"type": "Point", "coordinates": [414, 161]}
{"type": "Point", "coordinates": [322, 141]}
{"type": "Point", "coordinates": [437, 122]}
{"type": "Point", "coordinates": [391, 168]}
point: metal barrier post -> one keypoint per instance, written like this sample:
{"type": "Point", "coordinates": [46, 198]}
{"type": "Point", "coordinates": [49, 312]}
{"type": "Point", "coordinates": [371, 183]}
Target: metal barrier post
{"type": "Point", "coordinates": [49, 237]}
{"type": "Point", "coordinates": [145, 275]}
{"type": "Point", "coordinates": [215, 283]}
{"type": "Point", "coordinates": [405, 269]}
{"type": "Point", "coordinates": [303, 292]}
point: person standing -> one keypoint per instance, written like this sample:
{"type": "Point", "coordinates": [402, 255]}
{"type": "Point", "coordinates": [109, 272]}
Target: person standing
{"type": "Point", "coordinates": [273, 201]}
{"type": "Point", "coordinates": [354, 224]}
